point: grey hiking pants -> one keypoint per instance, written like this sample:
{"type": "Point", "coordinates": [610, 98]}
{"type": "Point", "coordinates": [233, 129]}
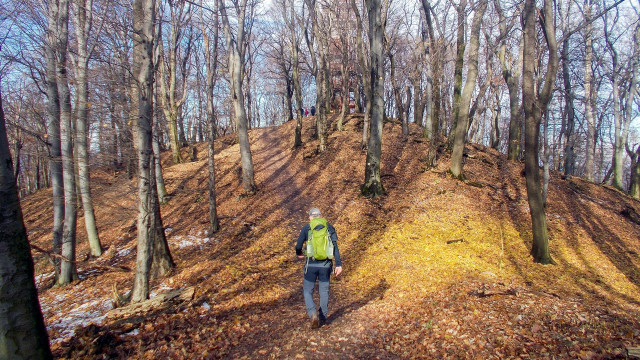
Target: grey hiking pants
{"type": "Point", "coordinates": [320, 271]}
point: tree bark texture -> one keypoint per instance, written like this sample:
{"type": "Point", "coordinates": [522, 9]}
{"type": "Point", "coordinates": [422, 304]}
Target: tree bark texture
{"type": "Point", "coordinates": [68, 272]}
{"type": "Point", "coordinates": [588, 95]}
{"type": "Point", "coordinates": [53, 132]}
{"type": "Point", "coordinates": [163, 196]}
{"type": "Point", "coordinates": [457, 77]}
{"type": "Point", "coordinates": [465, 99]}
{"type": "Point", "coordinates": [22, 331]}
{"type": "Point", "coordinates": [534, 107]}
{"type": "Point", "coordinates": [83, 20]}
{"type": "Point", "coordinates": [569, 126]}
{"type": "Point", "coordinates": [211, 53]}
{"type": "Point", "coordinates": [372, 186]}
{"type": "Point", "coordinates": [365, 69]}
{"type": "Point", "coordinates": [143, 36]}
{"type": "Point", "coordinates": [236, 50]}
{"type": "Point", "coordinates": [511, 76]}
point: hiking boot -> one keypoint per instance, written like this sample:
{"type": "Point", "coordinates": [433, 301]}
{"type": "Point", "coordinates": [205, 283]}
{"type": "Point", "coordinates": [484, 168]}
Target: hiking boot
{"type": "Point", "coordinates": [315, 322]}
{"type": "Point", "coordinates": [322, 318]}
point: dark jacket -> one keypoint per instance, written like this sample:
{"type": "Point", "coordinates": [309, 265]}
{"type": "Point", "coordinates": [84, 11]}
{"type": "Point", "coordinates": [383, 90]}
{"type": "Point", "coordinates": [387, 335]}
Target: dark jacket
{"type": "Point", "coordinates": [304, 234]}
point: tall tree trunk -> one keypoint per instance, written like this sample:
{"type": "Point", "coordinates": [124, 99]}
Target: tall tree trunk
{"type": "Point", "coordinates": [83, 20]}
{"type": "Point", "coordinates": [568, 133]}
{"type": "Point", "coordinates": [511, 76]}
{"type": "Point", "coordinates": [345, 79]}
{"type": "Point", "coordinates": [23, 334]}
{"type": "Point", "coordinates": [211, 57]}
{"type": "Point", "coordinates": [365, 68]}
{"type": "Point", "coordinates": [143, 36]}
{"type": "Point", "coordinates": [163, 196]}
{"type": "Point", "coordinates": [534, 107]}
{"type": "Point", "coordinates": [68, 272]}
{"type": "Point", "coordinates": [53, 132]}
{"type": "Point", "coordinates": [634, 188]}
{"type": "Point", "coordinates": [433, 116]}
{"type": "Point", "coordinates": [457, 82]}
{"type": "Point", "coordinates": [235, 47]}
{"type": "Point", "coordinates": [465, 99]}
{"type": "Point", "coordinates": [372, 186]}
{"type": "Point", "coordinates": [588, 95]}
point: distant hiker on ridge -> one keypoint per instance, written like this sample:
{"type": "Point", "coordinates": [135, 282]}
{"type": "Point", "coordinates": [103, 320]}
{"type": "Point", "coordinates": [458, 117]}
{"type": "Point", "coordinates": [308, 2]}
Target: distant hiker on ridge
{"type": "Point", "coordinates": [321, 248]}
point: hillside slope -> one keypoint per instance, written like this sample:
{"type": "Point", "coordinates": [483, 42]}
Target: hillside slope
{"type": "Point", "coordinates": [436, 268]}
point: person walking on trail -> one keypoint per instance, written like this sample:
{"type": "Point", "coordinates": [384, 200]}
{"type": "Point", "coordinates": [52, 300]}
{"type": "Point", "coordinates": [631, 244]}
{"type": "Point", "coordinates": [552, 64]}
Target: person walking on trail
{"type": "Point", "coordinates": [322, 247]}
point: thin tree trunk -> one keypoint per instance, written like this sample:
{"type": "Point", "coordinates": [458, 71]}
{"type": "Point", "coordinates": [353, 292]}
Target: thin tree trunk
{"type": "Point", "coordinates": [534, 107]}
{"type": "Point", "coordinates": [143, 35]}
{"type": "Point", "coordinates": [588, 91]}
{"type": "Point", "coordinates": [372, 186]}
{"type": "Point", "coordinates": [569, 138]}
{"type": "Point", "coordinates": [23, 334]}
{"type": "Point", "coordinates": [163, 196]}
{"type": "Point", "coordinates": [365, 68]}
{"type": "Point", "coordinates": [465, 99]}
{"type": "Point", "coordinates": [68, 272]}
{"type": "Point", "coordinates": [457, 84]}
{"type": "Point", "coordinates": [53, 132]}
{"type": "Point", "coordinates": [236, 48]}
{"type": "Point", "coordinates": [83, 21]}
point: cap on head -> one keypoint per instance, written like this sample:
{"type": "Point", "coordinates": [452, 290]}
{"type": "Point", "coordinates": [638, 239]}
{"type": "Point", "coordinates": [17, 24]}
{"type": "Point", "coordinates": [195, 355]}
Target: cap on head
{"type": "Point", "coordinates": [315, 212]}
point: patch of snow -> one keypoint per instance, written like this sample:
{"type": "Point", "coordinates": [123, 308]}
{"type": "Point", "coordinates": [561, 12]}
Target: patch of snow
{"type": "Point", "coordinates": [168, 230]}
{"type": "Point", "coordinates": [206, 306]}
{"type": "Point", "coordinates": [189, 241]}
{"type": "Point", "coordinates": [162, 288]}
{"type": "Point", "coordinates": [81, 315]}
{"type": "Point", "coordinates": [42, 277]}
{"type": "Point", "coordinates": [124, 252]}
{"type": "Point", "coordinates": [133, 332]}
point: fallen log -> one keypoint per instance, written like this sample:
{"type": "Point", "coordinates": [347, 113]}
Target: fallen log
{"type": "Point", "coordinates": [162, 301]}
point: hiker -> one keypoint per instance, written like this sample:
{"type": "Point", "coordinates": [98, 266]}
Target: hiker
{"type": "Point", "coordinates": [301, 111]}
{"type": "Point", "coordinates": [313, 110]}
{"type": "Point", "coordinates": [306, 112]}
{"type": "Point", "coordinates": [321, 248]}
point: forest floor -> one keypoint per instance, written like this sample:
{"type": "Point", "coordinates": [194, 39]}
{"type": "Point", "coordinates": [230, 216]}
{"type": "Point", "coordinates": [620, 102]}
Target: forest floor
{"type": "Point", "coordinates": [437, 268]}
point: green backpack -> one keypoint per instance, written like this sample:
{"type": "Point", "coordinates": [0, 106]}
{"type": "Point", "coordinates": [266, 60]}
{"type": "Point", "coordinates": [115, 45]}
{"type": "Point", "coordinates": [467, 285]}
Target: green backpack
{"type": "Point", "coordinates": [319, 244]}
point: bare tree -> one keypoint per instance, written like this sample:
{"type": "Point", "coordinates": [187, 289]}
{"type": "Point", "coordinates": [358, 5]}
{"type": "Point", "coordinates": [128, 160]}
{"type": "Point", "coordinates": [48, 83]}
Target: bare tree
{"type": "Point", "coordinates": [535, 105]}
{"type": "Point", "coordinates": [180, 13]}
{"type": "Point", "coordinates": [83, 22]}
{"type": "Point", "coordinates": [365, 69]}
{"type": "Point", "coordinates": [511, 75]}
{"type": "Point", "coordinates": [68, 271]}
{"type": "Point", "coordinates": [53, 132]}
{"type": "Point", "coordinates": [461, 10]}
{"type": "Point", "coordinates": [211, 56]}
{"type": "Point", "coordinates": [288, 13]}
{"type": "Point", "coordinates": [589, 94]}
{"type": "Point", "coordinates": [143, 37]}
{"type": "Point", "coordinates": [236, 47]}
{"type": "Point", "coordinates": [372, 186]}
{"type": "Point", "coordinates": [465, 99]}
